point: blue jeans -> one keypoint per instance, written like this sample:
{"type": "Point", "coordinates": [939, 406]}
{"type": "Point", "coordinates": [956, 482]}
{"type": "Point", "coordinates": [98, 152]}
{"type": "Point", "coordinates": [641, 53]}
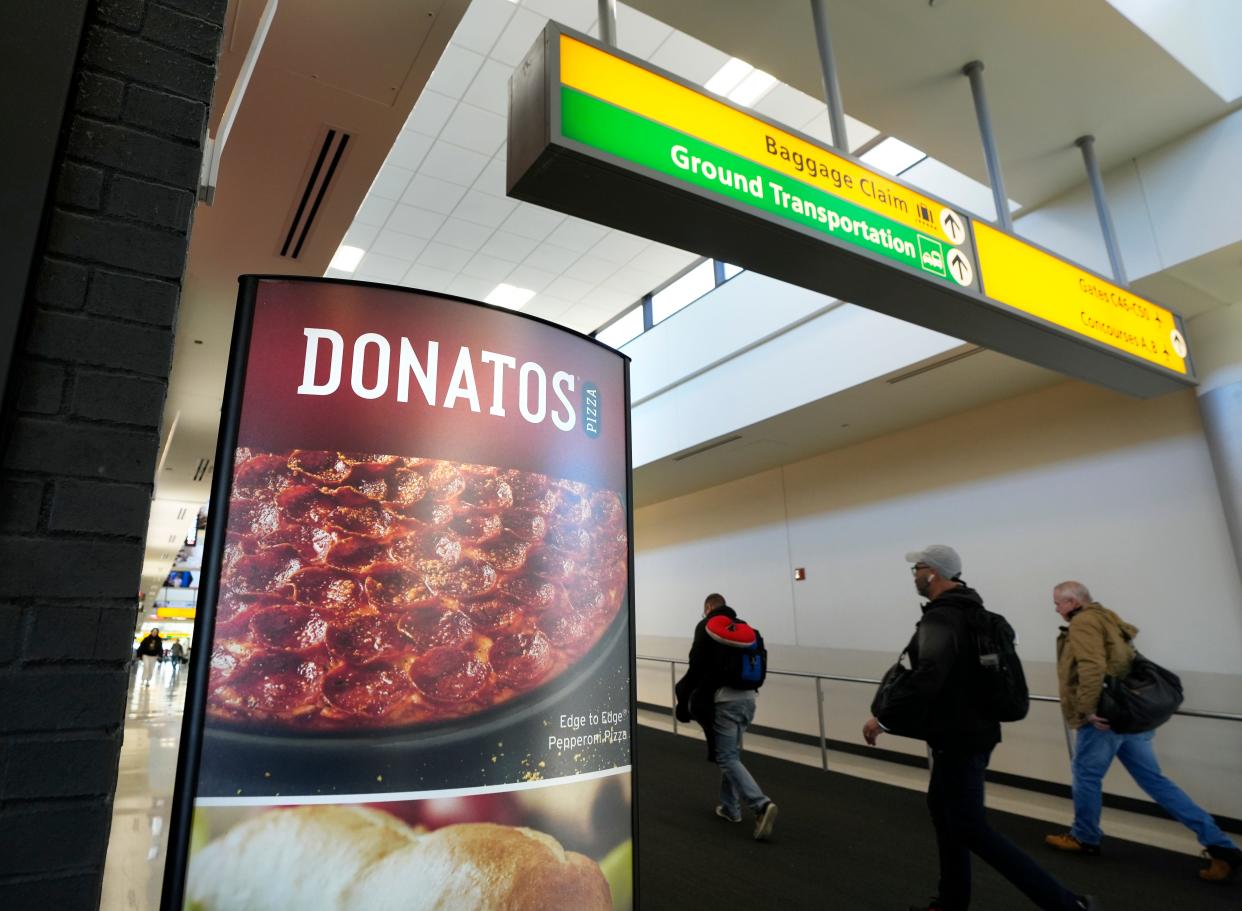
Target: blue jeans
{"type": "Point", "coordinates": [955, 799]}
{"type": "Point", "coordinates": [1094, 753]}
{"type": "Point", "coordinates": [736, 783]}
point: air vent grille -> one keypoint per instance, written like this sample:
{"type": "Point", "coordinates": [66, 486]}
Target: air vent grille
{"type": "Point", "coordinates": [699, 450]}
{"type": "Point", "coordinates": [204, 466]}
{"type": "Point", "coordinates": [327, 159]}
{"type": "Point", "coordinates": [927, 368]}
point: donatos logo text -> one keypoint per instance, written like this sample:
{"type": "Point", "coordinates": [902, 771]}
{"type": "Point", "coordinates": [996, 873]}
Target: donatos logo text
{"type": "Point", "coordinates": [371, 367]}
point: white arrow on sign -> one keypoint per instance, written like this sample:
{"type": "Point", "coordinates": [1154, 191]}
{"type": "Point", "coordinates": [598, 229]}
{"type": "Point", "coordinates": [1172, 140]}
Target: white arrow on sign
{"type": "Point", "coordinates": [960, 269]}
{"type": "Point", "coordinates": [954, 226]}
{"type": "Point", "coordinates": [1179, 343]}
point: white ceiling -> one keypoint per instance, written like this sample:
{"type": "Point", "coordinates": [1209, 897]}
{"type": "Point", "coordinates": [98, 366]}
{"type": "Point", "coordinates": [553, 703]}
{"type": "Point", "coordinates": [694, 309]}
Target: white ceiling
{"type": "Point", "coordinates": [421, 86]}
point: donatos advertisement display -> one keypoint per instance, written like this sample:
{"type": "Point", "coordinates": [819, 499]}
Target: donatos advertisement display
{"type": "Point", "coordinates": [417, 598]}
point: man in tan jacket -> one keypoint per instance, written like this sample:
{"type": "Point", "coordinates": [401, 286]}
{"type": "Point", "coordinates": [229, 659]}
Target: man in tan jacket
{"type": "Point", "coordinates": [1093, 644]}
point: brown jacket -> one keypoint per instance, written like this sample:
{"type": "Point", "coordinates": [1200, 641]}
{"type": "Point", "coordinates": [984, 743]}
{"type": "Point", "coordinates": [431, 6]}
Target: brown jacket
{"type": "Point", "coordinates": [1093, 646]}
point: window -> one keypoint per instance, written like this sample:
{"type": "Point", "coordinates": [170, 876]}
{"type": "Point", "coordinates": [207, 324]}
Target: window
{"type": "Point", "coordinates": [690, 287]}
{"type": "Point", "coordinates": [627, 327]}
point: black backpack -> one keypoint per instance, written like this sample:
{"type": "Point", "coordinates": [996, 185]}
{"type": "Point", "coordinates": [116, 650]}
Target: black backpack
{"type": "Point", "coordinates": [1000, 683]}
{"type": "Point", "coordinates": [740, 666]}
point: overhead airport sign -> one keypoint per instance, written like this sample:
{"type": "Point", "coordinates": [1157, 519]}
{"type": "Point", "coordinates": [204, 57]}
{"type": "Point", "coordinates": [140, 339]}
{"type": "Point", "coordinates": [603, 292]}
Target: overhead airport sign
{"type": "Point", "coordinates": [598, 134]}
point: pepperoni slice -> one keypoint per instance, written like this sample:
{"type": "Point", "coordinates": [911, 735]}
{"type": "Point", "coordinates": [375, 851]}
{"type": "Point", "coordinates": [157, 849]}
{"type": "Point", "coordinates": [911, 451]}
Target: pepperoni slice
{"type": "Point", "coordinates": [262, 475]}
{"type": "Point", "coordinates": [526, 524]}
{"type": "Point", "coordinates": [253, 517]}
{"type": "Point", "coordinates": [573, 509]}
{"type": "Point", "coordinates": [468, 579]}
{"type": "Point", "coordinates": [268, 570]}
{"type": "Point", "coordinates": [572, 539]}
{"type": "Point", "coordinates": [606, 508]}
{"type": "Point", "coordinates": [288, 627]}
{"type": "Point", "coordinates": [492, 614]}
{"type": "Point", "coordinates": [408, 486]}
{"type": "Point", "coordinates": [394, 587]}
{"type": "Point", "coordinates": [330, 589]}
{"type": "Point", "coordinates": [445, 481]}
{"type": "Point", "coordinates": [354, 553]}
{"type": "Point", "coordinates": [507, 554]}
{"type": "Point", "coordinates": [429, 627]}
{"type": "Point", "coordinates": [449, 674]}
{"type": "Point", "coordinates": [368, 458]}
{"type": "Point", "coordinates": [372, 690]}
{"type": "Point", "coordinates": [477, 526]}
{"type": "Point", "coordinates": [487, 493]}
{"type": "Point", "coordinates": [588, 597]}
{"type": "Point", "coordinates": [552, 564]}
{"type": "Point", "coordinates": [543, 502]}
{"type": "Point", "coordinates": [527, 485]}
{"type": "Point", "coordinates": [522, 658]}
{"type": "Point", "coordinates": [564, 627]}
{"type": "Point", "coordinates": [435, 544]}
{"type": "Point", "coordinates": [281, 681]}
{"type": "Point", "coordinates": [371, 519]}
{"type": "Point", "coordinates": [305, 503]}
{"type": "Point", "coordinates": [362, 638]}
{"type": "Point", "coordinates": [431, 512]}
{"type": "Point", "coordinates": [539, 594]}
{"type": "Point", "coordinates": [310, 542]}
{"type": "Point", "coordinates": [325, 467]}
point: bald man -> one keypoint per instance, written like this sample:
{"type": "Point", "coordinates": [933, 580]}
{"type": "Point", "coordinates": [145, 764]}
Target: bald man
{"type": "Point", "coordinates": [1093, 644]}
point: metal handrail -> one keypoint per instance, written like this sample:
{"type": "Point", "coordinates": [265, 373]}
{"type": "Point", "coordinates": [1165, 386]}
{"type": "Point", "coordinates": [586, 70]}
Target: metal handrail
{"type": "Point", "coordinates": [840, 678]}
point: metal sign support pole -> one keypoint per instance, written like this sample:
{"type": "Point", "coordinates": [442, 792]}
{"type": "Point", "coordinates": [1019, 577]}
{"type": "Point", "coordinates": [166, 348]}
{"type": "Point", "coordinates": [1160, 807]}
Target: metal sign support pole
{"type": "Point", "coordinates": [608, 22]}
{"type": "Point", "coordinates": [827, 63]}
{"type": "Point", "coordinates": [672, 680]}
{"type": "Point", "coordinates": [1087, 145]}
{"type": "Point", "coordinates": [974, 72]}
{"type": "Point", "coordinates": [819, 708]}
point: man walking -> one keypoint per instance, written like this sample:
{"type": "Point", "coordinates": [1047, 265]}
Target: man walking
{"type": "Point", "coordinates": [724, 712]}
{"type": "Point", "coordinates": [150, 650]}
{"type": "Point", "coordinates": [938, 702]}
{"type": "Point", "coordinates": [1095, 643]}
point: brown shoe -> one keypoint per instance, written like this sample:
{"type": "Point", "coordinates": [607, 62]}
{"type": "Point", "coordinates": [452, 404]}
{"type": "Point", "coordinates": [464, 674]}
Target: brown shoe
{"type": "Point", "coordinates": [1070, 844]}
{"type": "Point", "coordinates": [1223, 864]}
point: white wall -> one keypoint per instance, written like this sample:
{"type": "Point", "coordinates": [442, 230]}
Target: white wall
{"type": "Point", "coordinates": [1067, 482]}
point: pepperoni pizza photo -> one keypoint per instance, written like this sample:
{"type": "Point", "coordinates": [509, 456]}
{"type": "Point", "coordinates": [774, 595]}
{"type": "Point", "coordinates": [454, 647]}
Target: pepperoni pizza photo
{"type": "Point", "coordinates": [381, 592]}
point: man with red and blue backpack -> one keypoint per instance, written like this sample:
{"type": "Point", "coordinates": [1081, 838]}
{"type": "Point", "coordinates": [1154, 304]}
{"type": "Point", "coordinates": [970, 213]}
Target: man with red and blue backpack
{"type": "Point", "coordinates": [727, 666]}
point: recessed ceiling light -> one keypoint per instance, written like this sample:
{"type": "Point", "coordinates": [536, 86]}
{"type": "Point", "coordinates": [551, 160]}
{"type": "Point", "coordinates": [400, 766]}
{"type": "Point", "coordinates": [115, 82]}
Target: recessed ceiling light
{"type": "Point", "coordinates": [893, 156]}
{"type": "Point", "coordinates": [728, 76]}
{"type": "Point", "coordinates": [756, 84]}
{"type": "Point", "coordinates": [509, 296]}
{"type": "Point", "coordinates": [347, 258]}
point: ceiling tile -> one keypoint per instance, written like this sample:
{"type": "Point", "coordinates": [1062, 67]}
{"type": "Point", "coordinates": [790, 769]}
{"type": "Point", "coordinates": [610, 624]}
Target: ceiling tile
{"type": "Point", "coordinates": [492, 180]}
{"type": "Point", "coordinates": [689, 58]}
{"type": "Point", "coordinates": [577, 234]}
{"type": "Point", "coordinates": [638, 33]}
{"type": "Point", "coordinates": [454, 164]}
{"type": "Point", "coordinates": [454, 71]}
{"type": "Point", "coordinates": [337, 273]}
{"type": "Point", "coordinates": [484, 209]}
{"type": "Point", "coordinates": [442, 256]}
{"type": "Point", "coordinates": [858, 132]}
{"type": "Point", "coordinates": [665, 260]}
{"type": "Point", "coordinates": [402, 246]}
{"type": "Point", "coordinates": [509, 246]}
{"type": "Point", "coordinates": [476, 129]}
{"type": "Point", "coordinates": [465, 234]}
{"type": "Point", "coordinates": [581, 319]}
{"type": "Point", "coordinates": [591, 269]}
{"type": "Point", "coordinates": [360, 235]}
{"type": "Point", "coordinates": [518, 37]}
{"type": "Point", "coordinates": [488, 268]}
{"type": "Point", "coordinates": [577, 14]}
{"type": "Point", "coordinates": [552, 258]}
{"type": "Point", "coordinates": [391, 181]}
{"type": "Point", "coordinates": [633, 281]}
{"type": "Point", "coordinates": [382, 268]}
{"type": "Point", "coordinates": [569, 289]}
{"type": "Point", "coordinates": [547, 307]}
{"type": "Point", "coordinates": [789, 106]}
{"type": "Point", "coordinates": [533, 221]}
{"type": "Point", "coordinates": [430, 113]}
{"type": "Point", "coordinates": [415, 221]}
{"type": "Point", "coordinates": [469, 287]}
{"type": "Point", "coordinates": [374, 210]}
{"type": "Point", "coordinates": [609, 301]}
{"type": "Point", "coordinates": [428, 192]}
{"type": "Point", "coordinates": [482, 24]}
{"type": "Point", "coordinates": [490, 89]}
{"type": "Point", "coordinates": [529, 277]}
{"type": "Point", "coordinates": [409, 149]}
{"type": "Point", "coordinates": [429, 278]}
{"type": "Point", "coordinates": [620, 247]}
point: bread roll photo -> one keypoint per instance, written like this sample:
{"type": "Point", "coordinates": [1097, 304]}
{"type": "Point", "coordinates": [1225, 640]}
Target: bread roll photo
{"type": "Point", "coordinates": [348, 858]}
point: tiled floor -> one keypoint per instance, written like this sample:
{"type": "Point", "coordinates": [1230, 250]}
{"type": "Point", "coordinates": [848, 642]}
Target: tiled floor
{"type": "Point", "coordinates": [135, 861]}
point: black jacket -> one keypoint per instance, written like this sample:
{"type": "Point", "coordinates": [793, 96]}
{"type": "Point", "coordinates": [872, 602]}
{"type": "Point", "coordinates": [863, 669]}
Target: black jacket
{"type": "Point", "coordinates": [696, 690]}
{"type": "Point", "coordinates": [936, 702]}
{"type": "Point", "coordinates": [151, 645]}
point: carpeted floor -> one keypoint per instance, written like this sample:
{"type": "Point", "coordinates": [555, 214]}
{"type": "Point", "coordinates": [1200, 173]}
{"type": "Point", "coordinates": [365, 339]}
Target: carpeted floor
{"type": "Point", "coordinates": [847, 843]}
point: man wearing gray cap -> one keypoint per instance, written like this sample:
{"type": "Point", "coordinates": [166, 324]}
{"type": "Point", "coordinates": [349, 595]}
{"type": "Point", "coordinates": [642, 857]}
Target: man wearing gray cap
{"type": "Point", "coordinates": [938, 701]}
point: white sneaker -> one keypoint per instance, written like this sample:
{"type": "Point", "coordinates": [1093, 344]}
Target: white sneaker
{"type": "Point", "coordinates": [765, 819]}
{"type": "Point", "coordinates": [720, 811]}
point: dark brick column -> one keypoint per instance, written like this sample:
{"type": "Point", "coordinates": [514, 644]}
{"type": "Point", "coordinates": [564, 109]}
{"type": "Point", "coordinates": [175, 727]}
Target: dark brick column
{"type": "Point", "coordinates": [79, 433]}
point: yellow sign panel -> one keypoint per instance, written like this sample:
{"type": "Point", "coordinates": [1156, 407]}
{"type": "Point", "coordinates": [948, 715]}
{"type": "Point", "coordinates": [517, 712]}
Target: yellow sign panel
{"type": "Point", "coordinates": [642, 92]}
{"type": "Point", "coordinates": [1028, 279]}
{"type": "Point", "coordinates": [175, 613]}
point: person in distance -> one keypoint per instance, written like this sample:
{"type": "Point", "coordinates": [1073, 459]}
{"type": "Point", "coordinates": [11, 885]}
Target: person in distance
{"type": "Point", "coordinates": [1095, 643]}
